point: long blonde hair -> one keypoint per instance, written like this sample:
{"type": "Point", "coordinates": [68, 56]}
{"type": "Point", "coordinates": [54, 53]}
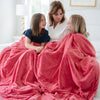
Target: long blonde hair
{"type": "Point", "coordinates": [54, 7]}
{"type": "Point", "coordinates": [79, 25]}
{"type": "Point", "coordinates": [35, 21]}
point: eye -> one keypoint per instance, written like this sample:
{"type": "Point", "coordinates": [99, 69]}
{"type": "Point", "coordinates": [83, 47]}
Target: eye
{"type": "Point", "coordinates": [43, 19]}
{"type": "Point", "coordinates": [56, 14]}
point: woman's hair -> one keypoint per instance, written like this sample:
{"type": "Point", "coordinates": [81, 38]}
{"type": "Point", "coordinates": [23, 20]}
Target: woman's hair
{"type": "Point", "coordinates": [79, 25]}
{"type": "Point", "coordinates": [35, 21]}
{"type": "Point", "coordinates": [54, 7]}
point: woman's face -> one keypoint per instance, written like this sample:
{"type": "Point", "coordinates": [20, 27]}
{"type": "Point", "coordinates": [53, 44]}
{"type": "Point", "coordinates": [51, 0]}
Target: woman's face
{"type": "Point", "coordinates": [69, 25]}
{"type": "Point", "coordinates": [58, 16]}
{"type": "Point", "coordinates": [42, 22]}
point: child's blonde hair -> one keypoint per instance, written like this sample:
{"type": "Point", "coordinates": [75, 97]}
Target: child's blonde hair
{"type": "Point", "coordinates": [79, 25]}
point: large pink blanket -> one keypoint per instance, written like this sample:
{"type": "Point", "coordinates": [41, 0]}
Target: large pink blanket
{"type": "Point", "coordinates": [64, 70]}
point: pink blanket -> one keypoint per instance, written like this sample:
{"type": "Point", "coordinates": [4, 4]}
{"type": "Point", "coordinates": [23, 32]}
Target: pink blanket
{"type": "Point", "coordinates": [64, 70]}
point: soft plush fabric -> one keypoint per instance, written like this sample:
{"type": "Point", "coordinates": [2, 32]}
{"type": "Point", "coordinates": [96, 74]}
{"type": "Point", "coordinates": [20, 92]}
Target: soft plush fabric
{"type": "Point", "coordinates": [64, 70]}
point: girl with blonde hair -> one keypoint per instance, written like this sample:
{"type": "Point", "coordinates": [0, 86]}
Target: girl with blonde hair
{"type": "Point", "coordinates": [77, 24]}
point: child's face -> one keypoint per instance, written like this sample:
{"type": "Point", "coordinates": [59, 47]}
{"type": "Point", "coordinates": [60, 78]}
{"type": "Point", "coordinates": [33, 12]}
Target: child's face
{"type": "Point", "coordinates": [42, 22]}
{"type": "Point", "coordinates": [69, 25]}
{"type": "Point", "coordinates": [58, 16]}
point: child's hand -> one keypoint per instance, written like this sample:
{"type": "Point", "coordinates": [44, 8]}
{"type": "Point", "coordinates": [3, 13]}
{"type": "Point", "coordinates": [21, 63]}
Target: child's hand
{"type": "Point", "coordinates": [39, 49]}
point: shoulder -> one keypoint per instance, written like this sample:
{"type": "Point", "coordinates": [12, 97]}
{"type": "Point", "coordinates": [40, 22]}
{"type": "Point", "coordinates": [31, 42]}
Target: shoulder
{"type": "Point", "coordinates": [29, 30]}
{"type": "Point", "coordinates": [50, 29]}
{"type": "Point", "coordinates": [80, 37]}
{"type": "Point", "coordinates": [49, 26]}
{"type": "Point", "coordinates": [28, 33]}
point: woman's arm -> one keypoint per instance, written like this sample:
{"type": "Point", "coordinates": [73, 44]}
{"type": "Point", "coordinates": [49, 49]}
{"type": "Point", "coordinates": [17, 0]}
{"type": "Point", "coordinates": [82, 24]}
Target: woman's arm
{"type": "Point", "coordinates": [30, 46]}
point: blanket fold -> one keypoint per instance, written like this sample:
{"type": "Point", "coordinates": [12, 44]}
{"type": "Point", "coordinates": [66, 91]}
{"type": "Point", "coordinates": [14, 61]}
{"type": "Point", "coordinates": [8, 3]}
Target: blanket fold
{"type": "Point", "coordinates": [64, 70]}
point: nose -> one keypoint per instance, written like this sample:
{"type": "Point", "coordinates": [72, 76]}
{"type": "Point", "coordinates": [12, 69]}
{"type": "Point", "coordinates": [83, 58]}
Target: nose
{"type": "Point", "coordinates": [59, 17]}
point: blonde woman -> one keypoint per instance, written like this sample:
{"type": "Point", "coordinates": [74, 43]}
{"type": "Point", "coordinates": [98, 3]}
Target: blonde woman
{"type": "Point", "coordinates": [57, 21]}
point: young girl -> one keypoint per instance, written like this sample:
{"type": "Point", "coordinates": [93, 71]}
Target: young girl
{"type": "Point", "coordinates": [76, 24]}
{"type": "Point", "coordinates": [37, 33]}
{"type": "Point", "coordinates": [18, 60]}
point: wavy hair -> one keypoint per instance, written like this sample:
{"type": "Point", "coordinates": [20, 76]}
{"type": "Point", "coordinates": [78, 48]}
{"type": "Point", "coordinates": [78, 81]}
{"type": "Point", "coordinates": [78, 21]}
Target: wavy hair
{"type": "Point", "coordinates": [54, 7]}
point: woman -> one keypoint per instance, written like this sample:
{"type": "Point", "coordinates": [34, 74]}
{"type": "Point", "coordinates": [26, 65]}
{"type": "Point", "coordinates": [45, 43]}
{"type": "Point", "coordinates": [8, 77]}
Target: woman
{"type": "Point", "coordinates": [68, 69]}
{"type": "Point", "coordinates": [57, 21]}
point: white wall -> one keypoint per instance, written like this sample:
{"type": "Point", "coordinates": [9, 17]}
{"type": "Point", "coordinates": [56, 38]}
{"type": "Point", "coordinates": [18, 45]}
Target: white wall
{"type": "Point", "coordinates": [7, 20]}
{"type": "Point", "coordinates": [22, 20]}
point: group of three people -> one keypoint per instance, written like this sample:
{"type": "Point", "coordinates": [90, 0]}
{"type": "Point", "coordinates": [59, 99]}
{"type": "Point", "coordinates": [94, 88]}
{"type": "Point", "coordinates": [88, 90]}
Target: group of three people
{"type": "Point", "coordinates": [63, 69]}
